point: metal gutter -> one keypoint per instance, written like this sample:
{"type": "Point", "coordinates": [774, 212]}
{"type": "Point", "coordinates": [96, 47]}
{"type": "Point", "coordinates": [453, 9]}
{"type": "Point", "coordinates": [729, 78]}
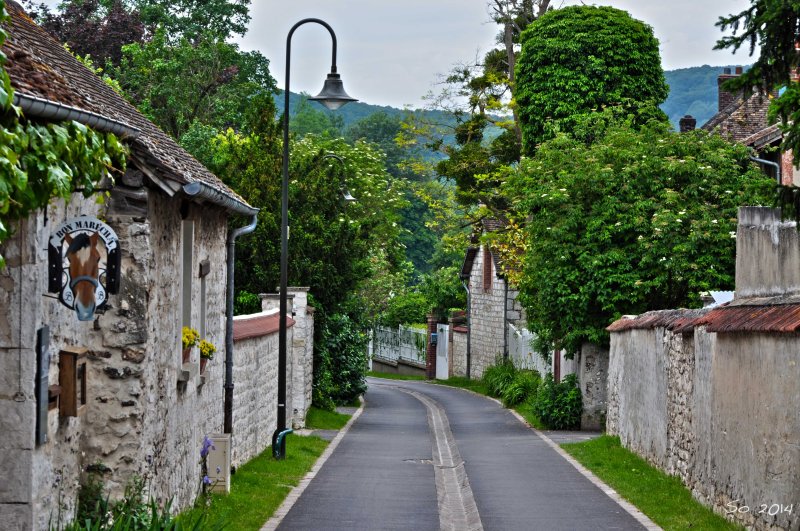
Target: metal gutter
{"type": "Point", "coordinates": [52, 110]}
{"type": "Point", "coordinates": [769, 163]}
{"type": "Point", "coordinates": [228, 398]}
{"type": "Point", "coordinates": [200, 190]}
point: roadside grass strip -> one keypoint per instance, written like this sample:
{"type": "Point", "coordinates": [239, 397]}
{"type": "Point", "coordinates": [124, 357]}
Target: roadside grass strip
{"type": "Point", "coordinates": [321, 419]}
{"type": "Point", "coordinates": [259, 487]}
{"type": "Point", "coordinates": [476, 386]}
{"type": "Point", "coordinates": [661, 497]}
{"type": "Point", "coordinates": [392, 376]}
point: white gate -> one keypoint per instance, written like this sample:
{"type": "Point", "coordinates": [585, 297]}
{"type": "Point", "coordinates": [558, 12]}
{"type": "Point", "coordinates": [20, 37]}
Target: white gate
{"type": "Point", "coordinates": [442, 361]}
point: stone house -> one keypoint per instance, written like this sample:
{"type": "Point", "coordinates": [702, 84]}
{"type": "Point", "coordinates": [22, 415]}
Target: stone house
{"type": "Point", "coordinates": [489, 299]}
{"type": "Point", "coordinates": [744, 120]}
{"type": "Point", "coordinates": [108, 390]}
{"type": "Point", "coordinates": [712, 395]}
{"type": "Point", "coordinates": [496, 327]}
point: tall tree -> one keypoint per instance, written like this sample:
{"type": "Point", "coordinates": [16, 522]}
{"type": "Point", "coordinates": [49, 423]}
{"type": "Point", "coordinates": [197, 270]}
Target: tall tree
{"type": "Point", "coordinates": [207, 81]}
{"type": "Point", "coordinates": [640, 219]}
{"type": "Point", "coordinates": [91, 27]}
{"type": "Point", "coordinates": [580, 58]}
{"type": "Point", "coordinates": [775, 27]}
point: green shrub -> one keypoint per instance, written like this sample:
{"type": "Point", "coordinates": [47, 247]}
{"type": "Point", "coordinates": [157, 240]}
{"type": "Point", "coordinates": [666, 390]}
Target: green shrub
{"type": "Point", "coordinates": [499, 376]}
{"type": "Point", "coordinates": [245, 303]}
{"type": "Point", "coordinates": [523, 387]}
{"type": "Point", "coordinates": [559, 405]}
{"type": "Point", "coordinates": [341, 364]}
{"type": "Point", "coordinates": [405, 308]}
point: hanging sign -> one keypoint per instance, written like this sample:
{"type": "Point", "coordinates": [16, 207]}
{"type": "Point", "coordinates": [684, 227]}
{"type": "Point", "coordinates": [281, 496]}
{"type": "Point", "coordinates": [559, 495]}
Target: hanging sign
{"type": "Point", "coordinates": [83, 264]}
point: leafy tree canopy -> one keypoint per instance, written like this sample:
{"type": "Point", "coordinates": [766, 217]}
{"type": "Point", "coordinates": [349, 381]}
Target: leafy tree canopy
{"type": "Point", "coordinates": [93, 28]}
{"type": "Point", "coordinates": [208, 81]}
{"type": "Point", "coordinates": [775, 27]}
{"type": "Point", "coordinates": [580, 58]}
{"type": "Point", "coordinates": [641, 219]}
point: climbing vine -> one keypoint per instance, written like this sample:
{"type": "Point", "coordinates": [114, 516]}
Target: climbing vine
{"type": "Point", "coordinates": [39, 162]}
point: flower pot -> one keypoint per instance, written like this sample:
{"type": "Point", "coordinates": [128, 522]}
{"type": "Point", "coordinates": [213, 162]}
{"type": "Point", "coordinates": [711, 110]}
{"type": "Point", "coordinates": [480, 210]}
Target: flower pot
{"type": "Point", "coordinates": [203, 362]}
{"type": "Point", "coordinates": [187, 352]}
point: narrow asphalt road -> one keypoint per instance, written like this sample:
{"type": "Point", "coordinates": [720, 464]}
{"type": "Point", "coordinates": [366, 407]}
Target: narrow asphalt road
{"type": "Point", "coordinates": [425, 456]}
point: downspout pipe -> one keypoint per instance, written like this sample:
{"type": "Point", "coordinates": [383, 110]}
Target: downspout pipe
{"type": "Point", "coordinates": [34, 107]}
{"type": "Point", "coordinates": [232, 236]}
{"type": "Point", "coordinates": [505, 320]}
{"type": "Point", "coordinates": [769, 163]}
{"type": "Point", "coordinates": [469, 330]}
{"type": "Point", "coordinates": [203, 191]}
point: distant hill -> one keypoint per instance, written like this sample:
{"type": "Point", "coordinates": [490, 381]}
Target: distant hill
{"type": "Point", "coordinates": [691, 91]}
{"type": "Point", "coordinates": [353, 112]}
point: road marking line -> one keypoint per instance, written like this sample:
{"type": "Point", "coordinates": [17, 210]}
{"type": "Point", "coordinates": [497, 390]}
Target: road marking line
{"type": "Point", "coordinates": [457, 508]}
{"type": "Point", "coordinates": [294, 495]}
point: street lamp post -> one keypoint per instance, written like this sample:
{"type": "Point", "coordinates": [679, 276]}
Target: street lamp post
{"type": "Point", "coordinates": [332, 96]}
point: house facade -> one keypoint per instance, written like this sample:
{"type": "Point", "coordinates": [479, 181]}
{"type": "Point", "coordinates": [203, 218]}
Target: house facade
{"type": "Point", "coordinates": [102, 387]}
{"type": "Point", "coordinates": [744, 120]}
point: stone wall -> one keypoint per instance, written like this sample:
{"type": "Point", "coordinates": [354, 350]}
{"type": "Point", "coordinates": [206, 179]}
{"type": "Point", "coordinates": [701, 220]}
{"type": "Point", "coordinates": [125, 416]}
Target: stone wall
{"type": "Point", "coordinates": [717, 410]}
{"type": "Point", "coordinates": [139, 420]}
{"type": "Point", "coordinates": [300, 360]}
{"type": "Point", "coordinates": [486, 314]}
{"type": "Point", "coordinates": [458, 351]}
{"type": "Point", "coordinates": [592, 370]}
{"type": "Point", "coordinates": [255, 403]}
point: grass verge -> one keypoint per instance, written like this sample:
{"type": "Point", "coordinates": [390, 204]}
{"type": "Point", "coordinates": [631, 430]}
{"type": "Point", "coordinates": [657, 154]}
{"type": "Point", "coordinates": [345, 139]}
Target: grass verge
{"type": "Point", "coordinates": [260, 486]}
{"type": "Point", "coordinates": [661, 497]}
{"type": "Point", "coordinates": [392, 376]}
{"type": "Point", "coordinates": [321, 419]}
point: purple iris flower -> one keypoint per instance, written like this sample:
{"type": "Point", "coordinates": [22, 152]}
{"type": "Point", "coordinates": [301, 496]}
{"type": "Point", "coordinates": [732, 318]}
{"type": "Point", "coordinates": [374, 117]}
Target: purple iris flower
{"type": "Point", "coordinates": [207, 446]}
{"type": "Point", "coordinates": [206, 480]}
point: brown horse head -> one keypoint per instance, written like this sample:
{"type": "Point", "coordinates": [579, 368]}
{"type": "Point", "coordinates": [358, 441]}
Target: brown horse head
{"type": "Point", "coordinates": [84, 272]}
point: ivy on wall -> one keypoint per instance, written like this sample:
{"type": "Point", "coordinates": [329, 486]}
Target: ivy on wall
{"type": "Point", "coordinates": [42, 161]}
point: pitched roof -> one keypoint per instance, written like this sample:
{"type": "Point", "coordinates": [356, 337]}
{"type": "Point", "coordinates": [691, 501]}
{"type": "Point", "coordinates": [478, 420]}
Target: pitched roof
{"type": "Point", "coordinates": [40, 67]}
{"type": "Point", "coordinates": [773, 315]}
{"type": "Point", "coordinates": [743, 121]}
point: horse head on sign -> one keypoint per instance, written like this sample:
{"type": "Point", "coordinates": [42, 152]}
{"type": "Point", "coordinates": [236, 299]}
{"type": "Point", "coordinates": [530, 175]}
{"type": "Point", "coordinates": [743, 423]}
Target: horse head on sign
{"type": "Point", "coordinates": [84, 273]}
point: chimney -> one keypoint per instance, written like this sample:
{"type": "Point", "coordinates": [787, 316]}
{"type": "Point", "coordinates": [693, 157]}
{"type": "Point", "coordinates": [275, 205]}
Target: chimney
{"type": "Point", "coordinates": [726, 98]}
{"type": "Point", "coordinates": [687, 123]}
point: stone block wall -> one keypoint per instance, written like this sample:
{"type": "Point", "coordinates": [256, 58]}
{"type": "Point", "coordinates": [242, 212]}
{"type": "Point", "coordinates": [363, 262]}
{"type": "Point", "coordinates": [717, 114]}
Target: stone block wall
{"type": "Point", "coordinates": [255, 403]}
{"type": "Point", "coordinates": [458, 351]}
{"type": "Point", "coordinates": [300, 359]}
{"type": "Point", "coordinates": [486, 317]}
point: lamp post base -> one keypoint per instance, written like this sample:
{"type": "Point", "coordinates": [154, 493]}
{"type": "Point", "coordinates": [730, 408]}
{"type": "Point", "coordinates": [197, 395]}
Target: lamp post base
{"type": "Point", "coordinates": [279, 444]}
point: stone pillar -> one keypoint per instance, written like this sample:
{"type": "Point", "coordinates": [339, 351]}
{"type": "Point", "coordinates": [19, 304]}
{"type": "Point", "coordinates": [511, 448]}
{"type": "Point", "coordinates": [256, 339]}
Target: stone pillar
{"type": "Point", "coordinates": [301, 355]}
{"type": "Point", "coordinates": [430, 358]}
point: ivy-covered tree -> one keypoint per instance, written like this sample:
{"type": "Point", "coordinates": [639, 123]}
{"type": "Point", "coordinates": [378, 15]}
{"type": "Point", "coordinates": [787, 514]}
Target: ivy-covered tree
{"type": "Point", "coordinates": [581, 58]}
{"type": "Point", "coordinates": [640, 219]}
{"type": "Point", "coordinates": [775, 28]}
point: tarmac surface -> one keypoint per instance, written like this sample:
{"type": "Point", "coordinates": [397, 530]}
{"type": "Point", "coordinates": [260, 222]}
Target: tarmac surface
{"type": "Point", "coordinates": [424, 456]}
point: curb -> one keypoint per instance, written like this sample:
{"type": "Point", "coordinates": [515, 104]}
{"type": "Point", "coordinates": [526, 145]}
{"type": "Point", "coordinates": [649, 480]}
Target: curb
{"type": "Point", "coordinates": [291, 498]}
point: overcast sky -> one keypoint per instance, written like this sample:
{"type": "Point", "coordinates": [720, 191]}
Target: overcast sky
{"type": "Point", "coordinates": [390, 52]}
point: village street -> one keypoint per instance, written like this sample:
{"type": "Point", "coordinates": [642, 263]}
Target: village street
{"type": "Point", "coordinates": [417, 443]}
